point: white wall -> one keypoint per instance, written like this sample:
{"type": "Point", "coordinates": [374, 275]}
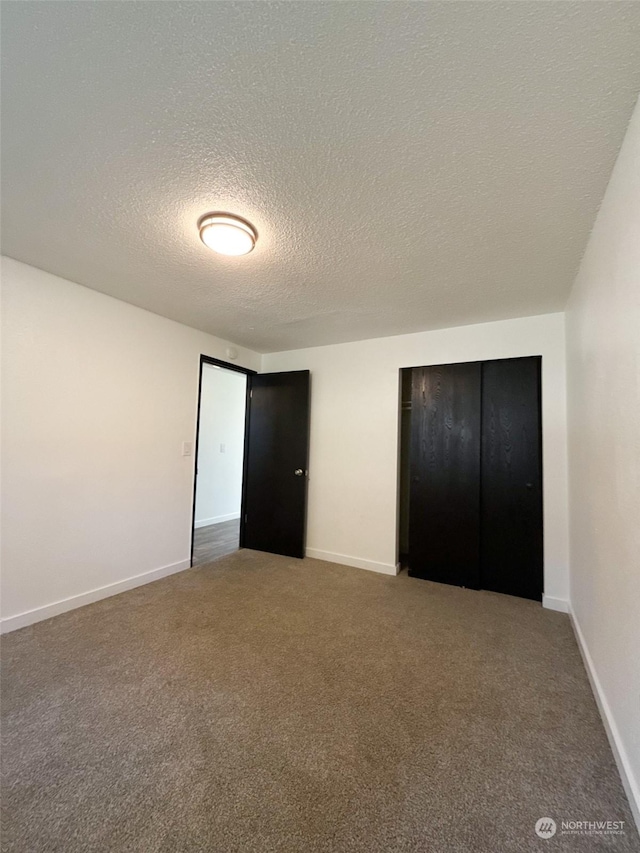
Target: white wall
{"type": "Point", "coordinates": [355, 431]}
{"type": "Point", "coordinates": [98, 397]}
{"type": "Point", "coordinates": [221, 445]}
{"type": "Point", "coordinates": [603, 360]}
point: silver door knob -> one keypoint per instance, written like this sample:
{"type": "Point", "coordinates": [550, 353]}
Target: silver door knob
{"type": "Point", "coordinates": [298, 472]}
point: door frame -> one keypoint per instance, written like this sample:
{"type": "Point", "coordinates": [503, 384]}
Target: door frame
{"type": "Point", "coordinates": [236, 368]}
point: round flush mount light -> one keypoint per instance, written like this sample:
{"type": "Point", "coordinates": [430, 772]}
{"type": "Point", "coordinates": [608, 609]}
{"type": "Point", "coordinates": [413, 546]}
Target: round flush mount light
{"type": "Point", "coordinates": [227, 234]}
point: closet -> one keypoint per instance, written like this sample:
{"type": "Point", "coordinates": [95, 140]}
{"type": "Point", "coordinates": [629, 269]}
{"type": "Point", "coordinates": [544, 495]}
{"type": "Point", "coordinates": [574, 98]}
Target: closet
{"type": "Point", "coordinates": [471, 475]}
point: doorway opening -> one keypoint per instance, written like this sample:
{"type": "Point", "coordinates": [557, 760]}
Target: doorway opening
{"type": "Point", "coordinates": [219, 464]}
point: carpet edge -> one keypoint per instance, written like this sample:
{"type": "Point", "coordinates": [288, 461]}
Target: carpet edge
{"type": "Point", "coordinates": [354, 562]}
{"type": "Point", "coordinates": [47, 611]}
{"type": "Point", "coordinates": [631, 787]}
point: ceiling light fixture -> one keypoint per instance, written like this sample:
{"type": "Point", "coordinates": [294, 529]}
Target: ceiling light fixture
{"type": "Point", "coordinates": [227, 234]}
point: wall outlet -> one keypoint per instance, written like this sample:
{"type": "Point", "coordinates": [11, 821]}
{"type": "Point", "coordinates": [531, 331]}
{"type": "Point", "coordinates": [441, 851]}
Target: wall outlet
{"type": "Point", "coordinates": [223, 448]}
{"type": "Point", "coordinates": [186, 448]}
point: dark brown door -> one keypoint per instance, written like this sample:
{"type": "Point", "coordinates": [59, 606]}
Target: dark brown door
{"type": "Point", "coordinates": [444, 510]}
{"type": "Point", "coordinates": [276, 460]}
{"type": "Point", "coordinates": [511, 503]}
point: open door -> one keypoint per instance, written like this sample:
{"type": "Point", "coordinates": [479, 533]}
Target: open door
{"type": "Point", "coordinates": [274, 507]}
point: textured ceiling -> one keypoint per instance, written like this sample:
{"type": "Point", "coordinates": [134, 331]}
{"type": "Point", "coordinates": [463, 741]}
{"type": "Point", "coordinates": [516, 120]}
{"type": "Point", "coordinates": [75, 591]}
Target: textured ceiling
{"type": "Point", "coordinates": [408, 166]}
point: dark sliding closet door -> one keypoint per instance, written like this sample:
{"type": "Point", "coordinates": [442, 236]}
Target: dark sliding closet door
{"type": "Point", "coordinates": [444, 509]}
{"type": "Point", "coordinates": [511, 503]}
{"type": "Point", "coordinates": [475, 502]}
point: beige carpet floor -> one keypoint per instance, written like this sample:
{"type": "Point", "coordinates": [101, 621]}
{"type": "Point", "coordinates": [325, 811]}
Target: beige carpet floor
{"type": "Point", "coordinates": [265, 704]}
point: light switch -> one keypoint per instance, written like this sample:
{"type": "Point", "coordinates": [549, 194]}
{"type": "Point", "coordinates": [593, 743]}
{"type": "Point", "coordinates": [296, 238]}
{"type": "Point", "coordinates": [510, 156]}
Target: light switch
{"type": "Point", "coordinates": [223, 448]}
{"type": "Point", "coordinates": [186, 448]}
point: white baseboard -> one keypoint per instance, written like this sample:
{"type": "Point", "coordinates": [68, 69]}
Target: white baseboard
{"type": "Point", "coordinates": [217, 519]}
{"type": "Point", "coordinates": [551, 603]}
{"type": "Point", "coordinates": [356, 562]}
{"type": "Point", "coordinates": [630, 784]}
{"type": "Point", "coordinates": [21, 620]}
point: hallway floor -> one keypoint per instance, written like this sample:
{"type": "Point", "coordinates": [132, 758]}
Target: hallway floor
{"type": "Point", "coordinates": [215, 540]}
